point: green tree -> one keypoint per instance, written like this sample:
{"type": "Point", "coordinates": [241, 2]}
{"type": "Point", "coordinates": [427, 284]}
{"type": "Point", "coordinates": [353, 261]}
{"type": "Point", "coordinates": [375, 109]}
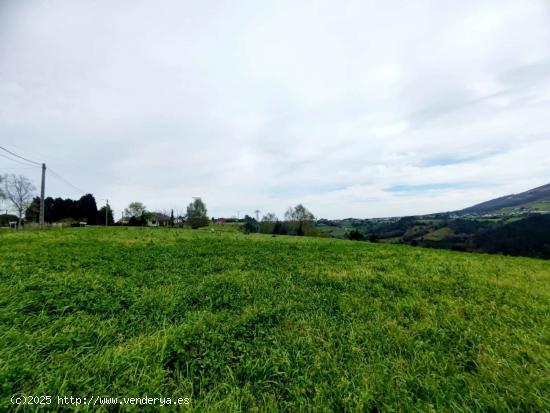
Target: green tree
{"type": "Point", "coordinates": [356, 235]}
{"type": "Point", "coordinates": [267, 224]}
{"type": "Point", "coordinates": [33, 211]}
{"type": "Point", "coordinates": [135, 209]}
{"type": "Point", "coordinates": [87, 209]}
{"type": "Point", "coordinates": [301, 221]}
{"type": "Point", "coordinates": [101, 216]}
{"type": "Point", "coordinates": [172, 220]}
{"type": "Point", "coordinates": [250, 225]}
{"type": "Point", "coordinates": [197, 214]}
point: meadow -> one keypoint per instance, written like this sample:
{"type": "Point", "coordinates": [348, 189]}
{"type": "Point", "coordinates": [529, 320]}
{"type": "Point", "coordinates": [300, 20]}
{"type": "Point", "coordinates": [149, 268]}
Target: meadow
{"type": "Point", "coordinates": [262, 323]}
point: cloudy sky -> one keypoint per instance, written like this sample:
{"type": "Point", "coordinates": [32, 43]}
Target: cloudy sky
{"type": "Point", "coordinates": [354, 108]}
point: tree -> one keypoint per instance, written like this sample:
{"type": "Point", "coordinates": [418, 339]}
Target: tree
{"type": "Point", "coordinates": [101, 216]}
{"type": "Point", "coordinates": [135, 209]}
{"type": "Point", "coordinates": [87, 209]}
{"type": "Point", "coordinates": [33, 210]}
{"type": "Point", "coordinates": [355, 235]}
{"type": "Point", "coordinates": [280, 228]}
{"type": "Point", "coordinates": [299, 213]}
{"type": "Point", "coordinates": [5, 219]}
{"type": "Point", "coordinates": [267, 223]}
{"type": "Point", "coordinates": [301, 220]}
{"type": "Point", "coordinates": [197, 214]}
{"type": "Point", "coordinates": [68, 210]}
{"type": "Point", "coordinates": [250, 225]}
{"type": "Point", "coordinates": [136, 222]}
{"type": "Point", "coordinates": [19, 192]}
{"type": "Point", "coordinates": [172, 220]}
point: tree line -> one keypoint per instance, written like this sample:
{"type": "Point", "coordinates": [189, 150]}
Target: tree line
{"type": "Point", "coordinates": [136, 214]}
{"type": "Point", "coordinates": [298, 221]}
{"type": "Point", "coordinates": [20, 193]}
{"type": "Point", "coordinates": [69, 210]}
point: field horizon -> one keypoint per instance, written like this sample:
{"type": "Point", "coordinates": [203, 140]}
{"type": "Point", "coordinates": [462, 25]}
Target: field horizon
{"type": "Point", "coordinates": [238, 322]}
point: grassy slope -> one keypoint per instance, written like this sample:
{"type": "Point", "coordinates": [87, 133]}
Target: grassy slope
{"type": "Point", "coordinates": [439, 234]}
{"type": "Point", "coordinates": [540, 205]}
{"type": "Point", "coordinates": [255, 322]}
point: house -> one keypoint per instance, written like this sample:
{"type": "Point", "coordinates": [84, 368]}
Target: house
{"type": "Point", "coordinates": [158, 219]}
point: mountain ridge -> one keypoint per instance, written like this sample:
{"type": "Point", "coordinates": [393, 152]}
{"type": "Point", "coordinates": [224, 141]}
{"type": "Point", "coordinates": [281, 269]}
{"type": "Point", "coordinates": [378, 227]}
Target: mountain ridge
{"type": "Point", "coordinates": [527, 200]}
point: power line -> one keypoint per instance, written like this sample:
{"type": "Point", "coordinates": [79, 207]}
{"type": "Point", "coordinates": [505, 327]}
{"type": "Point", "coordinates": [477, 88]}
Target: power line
{"type": "Point", "coordinates": [45, 158]}
{"type": "Point", "coordinates": [43, 166]}
{"type": "Point", "coordinates": [14, 160]}
{"type": "Point", "coordinates": [42, 186]}
{"type": "Point", "coordinates": [32, 167]}
{"type": "Point", "coordinates": [38, 164]}
{"type": "Point", "coordinates": [20, 157]}
{"type": "Point", "coordinates": [55, 174]}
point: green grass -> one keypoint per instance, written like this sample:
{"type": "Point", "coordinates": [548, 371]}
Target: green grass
{"type": "Point", "coordinates": [262, 323]}
{"type": "Point", "coordinates": [540, 205]}
{"type": "Point", "coordinates": [439, 234]}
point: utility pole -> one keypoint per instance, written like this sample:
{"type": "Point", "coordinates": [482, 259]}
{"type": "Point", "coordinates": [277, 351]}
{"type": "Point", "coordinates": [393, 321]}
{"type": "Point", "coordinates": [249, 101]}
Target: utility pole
{"type": "Point", "coordinates": [42, 190]}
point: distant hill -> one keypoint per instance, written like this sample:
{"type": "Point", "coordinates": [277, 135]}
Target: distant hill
{"type": "Point", "coordinates": [534, 200]}
{"type": "Point", "coordinates": [516, 224]}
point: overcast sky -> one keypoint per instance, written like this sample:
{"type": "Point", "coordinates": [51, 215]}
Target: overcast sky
{"type": "Point", "coordinates": [354, 108]}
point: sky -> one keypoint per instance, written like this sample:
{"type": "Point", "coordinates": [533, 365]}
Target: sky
{"type": "Point", "coordinates": [355, 109]}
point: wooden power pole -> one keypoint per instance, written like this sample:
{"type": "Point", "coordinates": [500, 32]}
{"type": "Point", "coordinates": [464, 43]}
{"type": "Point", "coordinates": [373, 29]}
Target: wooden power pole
{"type": "Point", "coordinates": [42, 190]}
{"type": "Point", "coordinates": [107, 213]}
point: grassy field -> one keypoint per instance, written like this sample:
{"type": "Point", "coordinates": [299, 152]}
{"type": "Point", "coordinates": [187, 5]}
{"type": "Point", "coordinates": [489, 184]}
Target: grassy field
{"type": "Point", "coordinates": [262, 323]}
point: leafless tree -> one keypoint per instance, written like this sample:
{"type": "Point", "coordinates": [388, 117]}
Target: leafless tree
{"type": "Point", "coordinates": [19, 191]}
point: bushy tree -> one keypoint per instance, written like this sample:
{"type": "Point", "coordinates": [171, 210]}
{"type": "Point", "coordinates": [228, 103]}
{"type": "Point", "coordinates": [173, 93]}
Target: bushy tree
{"type": "Point", "coordinates": [5, 219]}
{"type": "Point", "coordinates": [300, 220]}
{"type": "Point", "coordinates": [33, 210]}
{"type": "Point", "coordinates": [101, 216]}
{"type": "Point", "coordinates": [267, 224]}
{"type": "Point", "coordinates": [137, 221]}
{"type": "Point", "coordinates": [135, 209]}
{"type": "Point", "coordinates": [280, 228]}
{"type": "Point", "coordinates": [87, 209]}
{"type": "Point", "coordinates": [250, 225]}
{"type": "Point", "coordinates": [355, 235]}
{"type": "Point", "coordinates": [197, 214]}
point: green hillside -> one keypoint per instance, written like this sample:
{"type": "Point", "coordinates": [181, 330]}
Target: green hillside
{"type": "Point", "coordinates": [533, 200]}
{"type": "Point", "coordinates": [261, 323]}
